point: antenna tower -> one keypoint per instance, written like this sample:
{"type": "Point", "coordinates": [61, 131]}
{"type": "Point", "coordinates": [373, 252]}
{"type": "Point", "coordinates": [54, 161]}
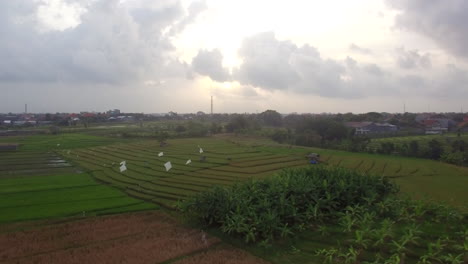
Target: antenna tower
{"type": "Point", "coordinates": [211, 105]}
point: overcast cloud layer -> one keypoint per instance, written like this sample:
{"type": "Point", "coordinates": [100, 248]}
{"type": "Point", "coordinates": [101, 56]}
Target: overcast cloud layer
{"type": "Point", "coordinates": [112, 50]}
{"type": "Point", "coordinates": [444, 21]}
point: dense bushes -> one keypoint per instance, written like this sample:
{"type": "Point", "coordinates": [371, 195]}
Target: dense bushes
{"type": "Point", "coordinates": [359, 216]}
{"type": "Point", "coordinates": [285, 203]}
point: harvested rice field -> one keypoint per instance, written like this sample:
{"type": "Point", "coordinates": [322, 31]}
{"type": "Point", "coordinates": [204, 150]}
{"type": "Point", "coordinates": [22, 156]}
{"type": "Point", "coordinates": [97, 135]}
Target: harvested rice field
{"type": "Point", "coordinates": [144, 237]}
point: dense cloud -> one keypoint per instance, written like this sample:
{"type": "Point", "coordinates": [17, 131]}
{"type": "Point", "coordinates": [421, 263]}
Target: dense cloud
{"type": "Point", "coordinates": [272, 64]}
{"type": "Point", "coordinates": [266, 62]}
{"type": "Point", "coordinates": [444, 21]}
{"type": "Point", "coordinates": [209, 63]}
{"type": "Point", "coordinates": [95, 48]}
{"type": "Point", "coordinates": [113, 42]}
{"type": "Point", "coordinates": [410, 59]}
{"type": "Point", "coordinates": [194, 10]}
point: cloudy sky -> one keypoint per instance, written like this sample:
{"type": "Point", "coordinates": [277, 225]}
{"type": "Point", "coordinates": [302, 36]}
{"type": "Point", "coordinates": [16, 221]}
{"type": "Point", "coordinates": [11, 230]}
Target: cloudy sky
{"type": "Point", "coordinates": [250, 55]}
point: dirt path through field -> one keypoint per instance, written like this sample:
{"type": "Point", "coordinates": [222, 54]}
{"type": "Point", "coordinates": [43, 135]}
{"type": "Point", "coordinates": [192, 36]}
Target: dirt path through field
{"type": "Point", "coordinates": [145, 237]}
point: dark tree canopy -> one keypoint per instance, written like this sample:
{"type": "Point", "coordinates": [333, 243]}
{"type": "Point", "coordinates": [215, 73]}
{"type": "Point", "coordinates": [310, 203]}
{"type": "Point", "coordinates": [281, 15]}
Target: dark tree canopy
{"type": "Point", "coordinates": [271, 118]}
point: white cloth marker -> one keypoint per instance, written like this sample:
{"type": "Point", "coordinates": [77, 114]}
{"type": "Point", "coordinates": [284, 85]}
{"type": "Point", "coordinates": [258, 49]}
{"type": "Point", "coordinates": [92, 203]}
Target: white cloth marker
{"type": "Point", "coordinates": [168, 165]}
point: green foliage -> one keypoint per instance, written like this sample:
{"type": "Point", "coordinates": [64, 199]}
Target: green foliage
{"type": "Point", "coordinates": [435, 149]}
{"type": "Point", "coordinates": [180, 128]}
{"type": "Point", "coordinates": [242, 123]}
{"type": "Point", "coordinates": [327, 129]}
{"type": "Point", "coordinates": [54, 130]}
{"type": "Point", "coordinates": [281, 135]}
{"type": "Point", "coordinates": [271, 118]}
{"type": "Point", "coordinates": [357, 143]}
{"type": "Point", "coordinates": [415, 232]}
{"type": "Point", "coordinates": [386, 148]}
{"type": "Point", "coordinates": [449, 148]}
{"type": "Point", "coordinates": [280, 205]}
{"type": "Point", "coordinates": [457, 158]}
{"type": "Point", "coordinates": [196, 129]}
{"type": "Point", "coordinates": [215, 128]}
{"type": "Point", "coordinates": [413, 148]}
{"type": "Point", "coordinates": [459, 146]}
{"type": "Point", "coordinates": [162, 137]}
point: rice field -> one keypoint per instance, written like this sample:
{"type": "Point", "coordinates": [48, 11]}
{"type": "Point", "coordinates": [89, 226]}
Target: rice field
{"type": "Point", "coordinates": [232, 159]}
{"type": "Point", "coordinates": [37, 183]}
{"type": "Point", "coordinates": [221, 163]}
{"type": "Point", "coordinates": [47, 165]}
{"type": "Point", "coordinates": [446, 140]}
{"type": "Point", "coordinates": [419, 178]}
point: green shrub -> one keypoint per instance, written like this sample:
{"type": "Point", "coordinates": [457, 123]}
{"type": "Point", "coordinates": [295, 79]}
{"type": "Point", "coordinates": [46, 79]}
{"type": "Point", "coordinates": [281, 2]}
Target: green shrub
{"type": "Point", "coordinates": [283, 204]}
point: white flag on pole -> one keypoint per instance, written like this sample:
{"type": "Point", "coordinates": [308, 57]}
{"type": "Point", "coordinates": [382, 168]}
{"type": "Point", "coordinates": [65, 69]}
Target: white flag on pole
{"type": "Point", "coordinates": [123, 168]}
{"type": "Point", "coordinates": [188, 162]}
{"type": "Point", "coordinates": [168, 165]}
{"type": "Point", "coordinates": [160, 154]}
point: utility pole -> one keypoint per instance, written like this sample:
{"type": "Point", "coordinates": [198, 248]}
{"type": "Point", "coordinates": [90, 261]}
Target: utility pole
{"type": "Point", "coordinates": [211, 106]}
{"type": "Point", "coordinates": [25, 108]}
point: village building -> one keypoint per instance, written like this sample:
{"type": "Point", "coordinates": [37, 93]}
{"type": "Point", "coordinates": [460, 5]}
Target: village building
{"type": "Point", "coordinates": [364, 128]}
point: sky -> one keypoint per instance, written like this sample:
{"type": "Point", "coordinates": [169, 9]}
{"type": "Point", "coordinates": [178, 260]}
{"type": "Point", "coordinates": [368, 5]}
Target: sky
{"type": "Point", "coordinates": [250, 55]}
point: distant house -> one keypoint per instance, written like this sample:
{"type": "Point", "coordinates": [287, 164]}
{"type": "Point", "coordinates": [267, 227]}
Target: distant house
{"type": "Point", "coordinates": [24, 122]}
{"type": "Point", "coordinates": [364, 128]}
{"type": "Point", "coordinates": [421, 117]}
{"type": "Point", "coordinates": [463, 126]}
{"type": "Point", "coordinates": [124, 118]}
{"type": "Point", "coordinates": [361, 128]}
{"type": "Point", "coordinates": [113, 112]}
{"type": "Point", "coordinates": [437, 125]}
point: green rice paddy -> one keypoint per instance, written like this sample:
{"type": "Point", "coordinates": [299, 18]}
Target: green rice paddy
{"type": "Point", "coordinates": [37, 183]}
{"type": "Point", "coordinates": [446, 140]}
{"type": "Point", "coordinates": [73, 168]}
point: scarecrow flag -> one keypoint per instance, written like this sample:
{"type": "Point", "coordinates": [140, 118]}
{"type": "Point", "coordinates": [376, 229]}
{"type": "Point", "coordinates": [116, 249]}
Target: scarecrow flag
{"type": "Point", "coordinates": [188, 162]}
{"type": "Point", "coordinates": [168, 165]}
{"type": "Point", "coordinates": [160, 154]}
{"type": "Point", "coordinates": [123, 168]}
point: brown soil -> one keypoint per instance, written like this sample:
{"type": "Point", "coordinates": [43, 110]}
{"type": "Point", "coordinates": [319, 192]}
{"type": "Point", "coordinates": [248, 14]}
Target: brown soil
{"type": "Point", "coordinates": [145, 237]}
{"type": "Point", "coordinates": [222, 255]}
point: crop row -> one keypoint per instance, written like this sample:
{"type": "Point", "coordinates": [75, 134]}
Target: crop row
{"type": "Point", "coordinates": [224, 163]}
